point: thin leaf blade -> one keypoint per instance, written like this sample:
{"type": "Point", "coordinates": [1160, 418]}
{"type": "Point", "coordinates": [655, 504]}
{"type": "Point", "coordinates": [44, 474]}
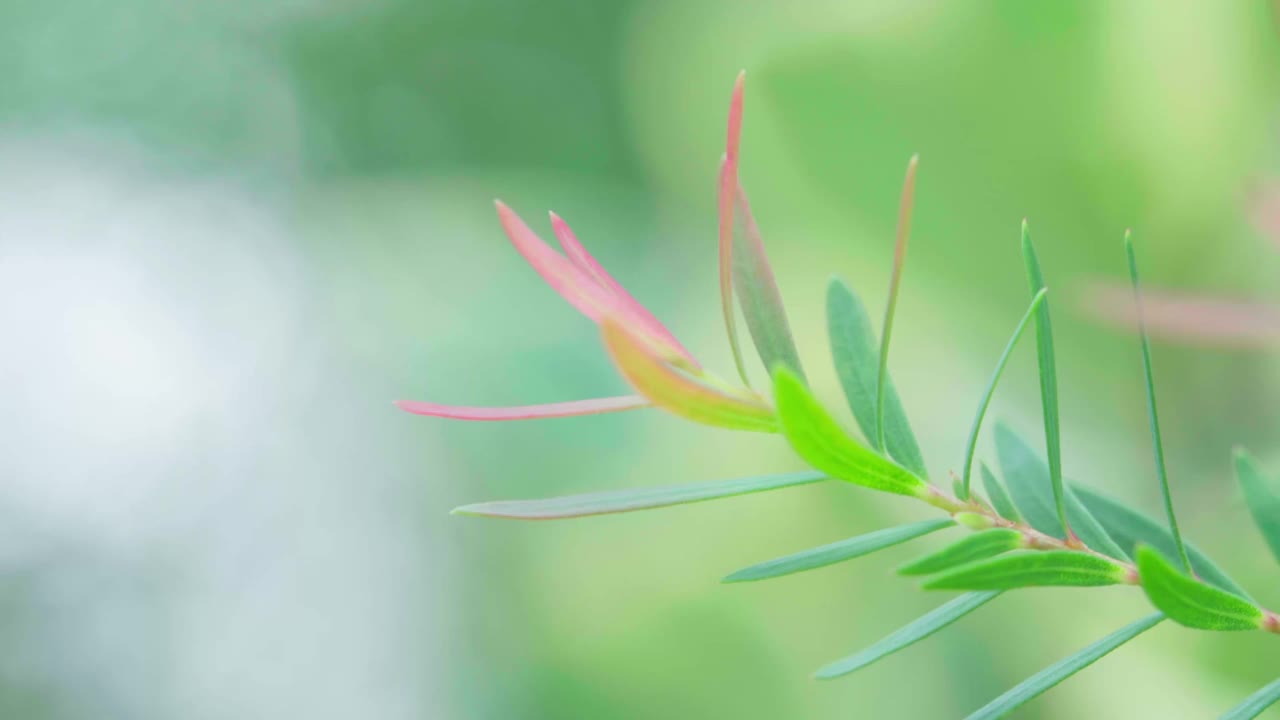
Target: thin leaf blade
{"type": "Point", "coordinates": [905, 206]}
{"type": "Point", "coordinates": [1130, 527]}
{"type": "Point", "coordinates": [908, 635]}
{"type": "Point", "coordinates": [620, 501]}
{"type": "Point", "coordinates": [728, 189]}
{"type": "Point", "coordinates": [818, 439]}
{"type": "Point", "coordinates": [1053, 675]}
{"type": "Point", "coordinates": [1255, 704]}
{"type": "Point", "coordinates": [1050, 568]}
{"type": "Point", "coordinates": [1264, 503]}
{"type": "Point", "coordinates": [675, 391]}
{"type": "Point", "coordinates": [1192, 603]}
{"type": "Point", "coordinates": [978, 546]}
{"type": "Point", "coordinates": [758, 294]}
{"type": "Point", "coordinates": [855, 354]}
{"type": "Point", "coordinates": [832, 553]}
{"type": "Point", "coordinates": [998, 496]}
{"type": "Point", "coordinates": [572, 408]}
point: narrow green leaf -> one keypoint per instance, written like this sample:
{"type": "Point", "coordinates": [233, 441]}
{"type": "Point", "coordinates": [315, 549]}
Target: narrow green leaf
{"type": "Point", "coordinates": [909, 634]}
{"type": "Point", "coordinates": [895, 284]}
{"type": "Point", "coordinates": [853, 349]}
{"type": "Point", "coordinates": [1050, 568]}
{"type": "Point", "coordinates": [1264, 503]}
{"type": "Point", "coordinates": [1048, 379]}
{"type": "Point", "coordinates": [1130, 527]}
{"type": "Point", "coordinates": [838, 551]}
{"type": "Point", "coordinates": [1255, 704]}
{"type": "Point", "coordinates": [758, 294]}
{"type": "Point", "coordinates": [1153, 417]}
{"type": "Point", "coordinates": [998, 495]}
{"type": "Point", "coordinates": [680, 393]}
{"type": "Point", "coordinates": [978, 546]}
{"type": "Point", "coordinates": [1028, 479]}
{"type": "Point", "coordinates": [972, 445]}
{"type": "Point", "coordinates": [619, 501]}
{"type": "Point", "coordinates": [1192, 603]}
{"type": "Point", "coordinates": [818, 439]}
{"type": "Point", "coordinates": [1037, 684]}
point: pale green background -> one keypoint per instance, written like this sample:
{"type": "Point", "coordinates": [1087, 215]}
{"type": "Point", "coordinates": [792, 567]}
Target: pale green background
{"type": "Point", "coordinates": [233, 232]}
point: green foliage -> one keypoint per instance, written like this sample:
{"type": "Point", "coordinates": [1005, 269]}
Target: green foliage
{"type": "Point", "coordinates": [1264, 503]}
{"type": "Point", "coordinates": [1255, 704]}
{"type": "Point", "coordinates": [818, 439]}
{"type": "Point", "coordinates": [758, 295]}
{"type": "Point", "coordinates": [1130, 528]}
{"type": "Point", "coordinates": [978, 546]}
{"type": "Point", "coordinates": [1050, 568]}
{"type": "Point", "coordinates": [1048, 378]}
{"type": "Point", "coordinates": [838, 551]}
{"type": "Point", "coordinates": [620, 501]}
{"type": "Point", "coordinates": [1189, 602]}
{"type": "Point", "coordinates": [854, 352]}
{"type": "Point", "coordinates": [998, 495]}
{"type": "Point", "coordinates": [909, 634]}
{"type": "Point", "coordinates": [1035, 685]}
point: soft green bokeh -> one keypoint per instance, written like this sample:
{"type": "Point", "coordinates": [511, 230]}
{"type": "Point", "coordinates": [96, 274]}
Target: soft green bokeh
{"type": "Point", "coordinates": [234, 232]}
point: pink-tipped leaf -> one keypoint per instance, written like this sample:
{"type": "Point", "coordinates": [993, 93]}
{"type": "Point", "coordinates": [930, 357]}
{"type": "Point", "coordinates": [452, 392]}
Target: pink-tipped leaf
{"type": "Point", "coordinates": [680, 393]}
{"type": "Point", "coordinates": [727, 191]}
{"type": "Point", "coordinates": [596, 406]}
{"type": "Point", "coordinates": [579, 256]}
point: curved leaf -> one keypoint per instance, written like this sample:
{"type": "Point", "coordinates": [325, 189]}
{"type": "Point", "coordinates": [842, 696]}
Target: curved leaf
{"type": "Point", "coordinates": [855, 352]}
{"type": "Point", "coordinates": [758, 294]}
{"type": "Point", "coordinates": [909, 634]}
{"type": "Point", "coordinates": [978, 546]}
{"type": "Point", "coordinates": [818, 439]}
{"type": "Point", "coordinates": [838, 551]}
{"type": "Point", "coordinates": [1264, 503]}
{"type": "Point", "coordinates": [572, 408]}
{"type": "Point", "coordinates": [620, 501]}
{"type": "Point", "coordinates": [1037, 684]}
{"type": "Point", "coordinates": [1130, 527]}
{"type": "Point", "coordinates": [1048, 379]}
{"type": "Point", "coordinates": [678, 392]}
{"type": "Point", "coordinates": [1189, 602]}
{"type": "Point", "coordinates": [1255, 704]}
{"type": "Point", "coordinates": [998, 496]}
{"type": "Point", "coordinates": [1057, 568]}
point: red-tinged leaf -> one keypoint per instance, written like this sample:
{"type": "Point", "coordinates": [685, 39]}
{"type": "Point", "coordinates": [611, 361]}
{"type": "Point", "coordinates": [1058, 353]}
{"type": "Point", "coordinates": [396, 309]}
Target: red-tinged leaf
{"type": "Point", "coordinates": [757, 292]}
{"type": "Point", "coordinates": [576, 285]}
{"type": "Point", "coordinates": [1187, 317]}
{"type": "Point", "coordinates": [728, 190]}
{"type": "Point", "coordinates": [573, 408]}
{"type": "Point", "coordinates": [905, 206]}
{"type": "Point", "coordinates": [678, 392]}
{"type": "Point", "coordinates": [579, 256]}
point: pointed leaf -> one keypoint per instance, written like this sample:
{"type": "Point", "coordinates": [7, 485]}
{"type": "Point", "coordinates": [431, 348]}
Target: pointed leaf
{"type": "Point", "coordinates": [1153, 416]}
{"type": "Point", "coordinates": [619, 501]}
{"type": "Point", "coordinates": [674, 390]}
{"type": "Point", "coordinates": [818, 439]}
{"type": "Point", "coordinates": [1028, 479]}
{"type": "Point", "coordinates": [909, 634]}
{"type": "Point", "coordinates": [1037, 684]}
{"type": "Point", "coordinates": [1048, 380]}
{"type": "Point", "coordinates": [1255, 704]}
{"type": "Point", "coordinates": [728, 191]}
{"type": "Point", "coordinates": [578, 286]}
{"type": "Point", "coordinates": [838, 551]}
{"type": "Point", "coordinates": [978, 546]}
{"type": "Point", "coordinates": [895, 284]}
{"type": "Point", "coordinates": [1192, 603]}
{"type": "Point", "coordinates": [854, 350]}
{"type": "Point", "coordinates": [1050, 568]}
{"type": "Point", "coordinates": [1264, 503]}
{"type": "Point", "coordinates": [526, 412]}
{"type": "Point", "coordinates": [998, 495]}
{"type": "Point", "coordinates": [757, 291]}
{"type": "Point", "coordinates": [583, 259]}
{"type": "Point", "coordinates": [972, 445]}
{"type": "Point", "coordinates": [1130, 527]}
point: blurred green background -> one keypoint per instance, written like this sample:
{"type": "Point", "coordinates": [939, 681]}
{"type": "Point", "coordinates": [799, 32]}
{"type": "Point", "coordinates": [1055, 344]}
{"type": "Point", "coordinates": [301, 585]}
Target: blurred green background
{"type": "Point", "coordinates": [233, 232]}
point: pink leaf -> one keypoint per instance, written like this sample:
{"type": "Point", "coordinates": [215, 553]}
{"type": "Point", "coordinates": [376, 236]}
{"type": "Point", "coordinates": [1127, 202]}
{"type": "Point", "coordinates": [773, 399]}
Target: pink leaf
{"type": "Point", "coordinates": [526, 412]}
{"type": "Point", "coordinates": [584, 260]}
{"type": "Point", "coordinates": [728, 190]}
